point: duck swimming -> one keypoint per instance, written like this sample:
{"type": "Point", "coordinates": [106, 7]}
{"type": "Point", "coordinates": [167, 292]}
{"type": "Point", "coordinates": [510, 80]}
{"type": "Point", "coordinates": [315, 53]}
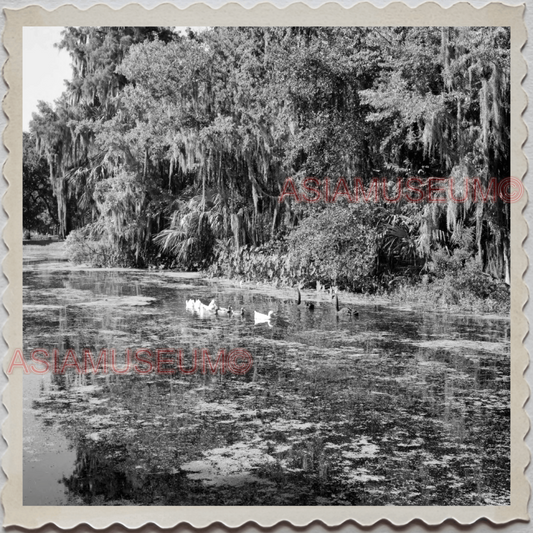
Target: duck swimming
{"type": "Point", "coordinates": [223, 310]}
{"type": "Point", "coordinates": [259, 318]}
{"type": "Point", "coordinates": [201, 307]}
{"type": "Point", "coordinates": [344, 311]}
{"type": "Point", "coordinates": [309, 305]}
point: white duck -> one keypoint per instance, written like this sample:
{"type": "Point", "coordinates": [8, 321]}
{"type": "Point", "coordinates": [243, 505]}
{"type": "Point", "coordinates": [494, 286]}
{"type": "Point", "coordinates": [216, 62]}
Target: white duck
{"type": "Point", "coordinates": [201, 307]}
{"type": "Point", "coordinates": [260, 318]}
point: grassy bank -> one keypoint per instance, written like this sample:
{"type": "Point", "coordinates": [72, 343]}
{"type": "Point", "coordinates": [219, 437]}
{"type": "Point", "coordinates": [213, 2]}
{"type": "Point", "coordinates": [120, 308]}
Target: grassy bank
{"type": "Point", "coordinates": [420, 297]}
{"type": "Point", "coordinates": [468, 293]}
{"type": "Point", "coordinates": [454, 283]}
{"type": "Point", "coordinates": [44, 250]}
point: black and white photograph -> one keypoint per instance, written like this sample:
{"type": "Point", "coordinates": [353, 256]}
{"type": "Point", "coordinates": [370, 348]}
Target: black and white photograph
{"type": "Point", "coordinates": [266, 266]}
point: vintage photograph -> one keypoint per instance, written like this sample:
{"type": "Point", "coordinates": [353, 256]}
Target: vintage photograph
{"type": "Point", "coordinates": [266, 266]}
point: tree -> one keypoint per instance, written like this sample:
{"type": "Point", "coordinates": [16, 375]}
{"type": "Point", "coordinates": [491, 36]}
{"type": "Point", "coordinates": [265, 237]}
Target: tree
{"type": "Point", "coordinates": [66, 133]}
{"type": "Point", "coordinates": [181, 144]}
{"type": "Point", "coordinates": [442, 103]}
{"type": "Point", "coordinates": [39, 212]}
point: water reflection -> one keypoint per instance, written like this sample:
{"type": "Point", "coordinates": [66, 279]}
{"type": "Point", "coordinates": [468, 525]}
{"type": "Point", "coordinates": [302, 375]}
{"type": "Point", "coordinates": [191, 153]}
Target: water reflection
{"type": "Point", "coordinates": [394, 407]}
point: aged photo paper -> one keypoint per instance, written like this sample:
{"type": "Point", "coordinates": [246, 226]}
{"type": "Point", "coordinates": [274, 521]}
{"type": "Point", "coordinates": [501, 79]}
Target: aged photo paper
{"type": "Point", "coordinates": [265, 265]}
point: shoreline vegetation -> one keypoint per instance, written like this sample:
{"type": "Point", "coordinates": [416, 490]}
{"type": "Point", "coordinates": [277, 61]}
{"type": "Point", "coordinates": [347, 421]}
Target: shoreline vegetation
{"type": "Point", "coordinates": [416, 298]}
{"type": "Point", "coordinates": [186, 170]}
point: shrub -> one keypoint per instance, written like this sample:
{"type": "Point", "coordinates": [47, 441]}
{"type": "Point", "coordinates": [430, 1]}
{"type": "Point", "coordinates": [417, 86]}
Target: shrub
{"type": "Point", "coordinates": [333, 246]}
{"type": "Point", "coordinates": [459, 278]}
{"type": "Point", "coordinates": [268, 262]}
{"type": "Point", "coordinates": [82, 248]}
{"type": "Point", "coordinates": [338, 245]}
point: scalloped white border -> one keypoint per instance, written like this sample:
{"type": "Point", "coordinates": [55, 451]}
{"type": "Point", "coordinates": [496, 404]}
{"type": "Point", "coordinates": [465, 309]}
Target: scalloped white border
{"type": "Point", "coordinates": [263, 14]}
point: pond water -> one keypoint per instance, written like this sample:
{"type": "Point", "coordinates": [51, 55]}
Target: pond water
{"type": "Point", "coordinates": [394, 407]}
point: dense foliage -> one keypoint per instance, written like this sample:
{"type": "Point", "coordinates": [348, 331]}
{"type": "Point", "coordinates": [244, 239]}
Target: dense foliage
{"type": "Point", "coordinates": [39, 212]}
{"type": "Point", "coordinates": [173, 147]}
{"type": "Point", "coordinates": [339, 245]}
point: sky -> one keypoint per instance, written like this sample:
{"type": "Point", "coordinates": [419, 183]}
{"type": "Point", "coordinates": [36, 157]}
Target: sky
{"type": "Point", "coordinates": [43, 69]}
